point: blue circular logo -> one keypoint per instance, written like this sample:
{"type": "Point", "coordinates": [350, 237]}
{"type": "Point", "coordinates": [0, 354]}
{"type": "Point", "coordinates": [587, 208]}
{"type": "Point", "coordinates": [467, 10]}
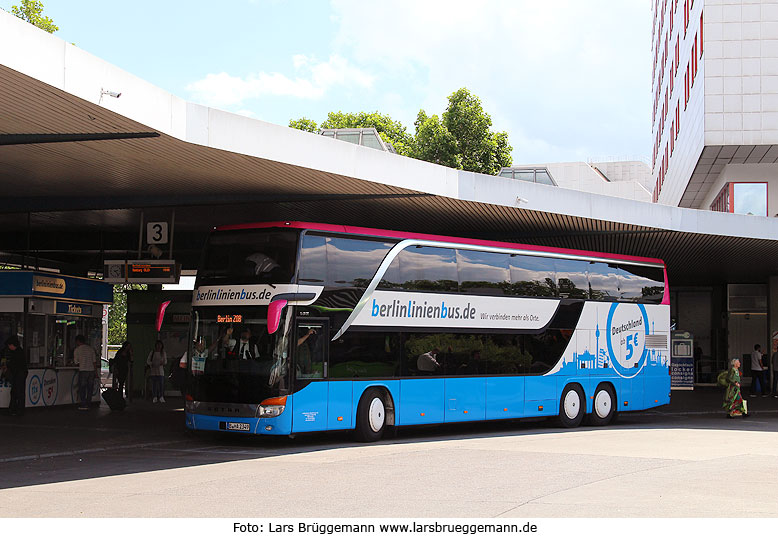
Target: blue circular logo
{"type": "Point", "coordinates": [627, 330]}
{"type": "Point", "coordinates": [34, 390]}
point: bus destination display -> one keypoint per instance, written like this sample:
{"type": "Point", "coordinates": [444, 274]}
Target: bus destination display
{"type": "Point", "coordinates": [229, 318]}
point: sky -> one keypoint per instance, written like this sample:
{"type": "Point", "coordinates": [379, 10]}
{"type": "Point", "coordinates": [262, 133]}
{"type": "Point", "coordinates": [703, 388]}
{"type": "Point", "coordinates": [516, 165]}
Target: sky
{"type": "Point", "coordinates": [567, 80]}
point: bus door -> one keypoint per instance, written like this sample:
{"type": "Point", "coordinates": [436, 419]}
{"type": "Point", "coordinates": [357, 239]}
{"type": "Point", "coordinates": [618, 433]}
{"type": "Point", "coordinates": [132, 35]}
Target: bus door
{"type": "Point", "coordinates": [310, 365]}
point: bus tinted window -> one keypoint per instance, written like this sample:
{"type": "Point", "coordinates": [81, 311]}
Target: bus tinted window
{"type": "Point", "coordinates": [603, 282]}
{"type": "Point", "coordinates": [340, 261]}
{"type": "Point", "coordinates": [313, 260]}
{"type": "Point", "coordinates": [249, 257]}
{"type": "Point", "coordinates": [423, 268]}
{"type": "Point", "coordinates": [353, 262]}
{"type": "Point", "coordinates": [641, 284]}
{"type": "Point", "coordinates": [483, 273]}
{"type": "Point", "coordinates": [532, 276]}
{"type": "Point", "coordinates": [365, 355]}
{"type": "Point", "coordinates": [572, 279]}
{"type": "Point", "coordinates": [498, 354]}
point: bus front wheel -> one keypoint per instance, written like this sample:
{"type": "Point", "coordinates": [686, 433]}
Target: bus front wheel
{"type": "Point", "coordinates": [371, 416]}
{"type": "Point", "coordinates": [604, 409]}
{"type": "Point", "coordinates": [572, 406]}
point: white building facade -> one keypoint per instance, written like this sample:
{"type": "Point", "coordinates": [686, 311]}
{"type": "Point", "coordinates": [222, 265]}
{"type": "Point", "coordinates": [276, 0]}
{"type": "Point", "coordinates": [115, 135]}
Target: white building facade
{"type": "Point", "coordinates": [715, 114]}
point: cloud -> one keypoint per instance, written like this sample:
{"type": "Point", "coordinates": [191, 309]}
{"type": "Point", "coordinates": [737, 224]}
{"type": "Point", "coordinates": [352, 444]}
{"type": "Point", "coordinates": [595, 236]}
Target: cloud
{"type": "Point", "coordinates": [561, 75]}
{"type": "Point", "coordinates": [314, 79]}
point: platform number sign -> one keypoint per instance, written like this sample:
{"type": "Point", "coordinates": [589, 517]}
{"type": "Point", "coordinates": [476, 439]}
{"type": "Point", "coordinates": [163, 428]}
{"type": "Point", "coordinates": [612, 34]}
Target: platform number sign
{"type": "Point", "coordinates": [156, 233]}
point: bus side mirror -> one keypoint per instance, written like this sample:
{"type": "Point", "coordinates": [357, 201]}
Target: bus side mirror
{"type": "Point", "coordinates": [274, 315]}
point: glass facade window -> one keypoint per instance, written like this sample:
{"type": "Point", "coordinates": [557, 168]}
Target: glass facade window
{"type": "Point", "coordinates": [537, 175]}
{"type": "Point", "coordinates": [749, 198]}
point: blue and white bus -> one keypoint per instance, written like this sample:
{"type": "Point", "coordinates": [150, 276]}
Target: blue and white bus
{"type": "Point", "coordinates": [300, 327]}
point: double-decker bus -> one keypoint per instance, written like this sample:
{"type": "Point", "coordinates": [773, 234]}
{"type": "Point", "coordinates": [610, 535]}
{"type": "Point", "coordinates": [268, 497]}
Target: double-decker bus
{"type": "Point", "coordinates": [300, 327]}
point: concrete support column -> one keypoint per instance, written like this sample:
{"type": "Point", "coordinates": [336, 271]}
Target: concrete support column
{"type": "Point", "coordinates": [772, 318]}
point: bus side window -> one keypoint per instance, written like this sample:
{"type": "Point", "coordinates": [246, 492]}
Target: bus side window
{"type": "Point", "coordinates": [311, 352]}
{"type": "Point", "coordinates": [486, 273]}
{"type": "Point", "coordinates": [423, 268]}
{"type": "Point", "coordinates": [532, 276]}
{"type": "Point", "coordinates": [603, 282]}
{"type": "Point", "coordinates": [572, 279]}
{"type": "Point", "coordinates": [641, 284]}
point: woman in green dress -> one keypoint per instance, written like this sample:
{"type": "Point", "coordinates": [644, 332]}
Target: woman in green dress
{"type": "Point", "coordinates": [733, 400]}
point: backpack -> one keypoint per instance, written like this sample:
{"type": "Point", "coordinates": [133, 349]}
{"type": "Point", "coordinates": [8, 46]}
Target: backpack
{"type": "Point", "coordinates": [723, 378]}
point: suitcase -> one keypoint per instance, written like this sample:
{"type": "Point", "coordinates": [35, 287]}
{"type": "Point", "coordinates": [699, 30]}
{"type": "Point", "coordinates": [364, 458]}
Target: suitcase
{"type": "Point", "coordinates": [114, 399]}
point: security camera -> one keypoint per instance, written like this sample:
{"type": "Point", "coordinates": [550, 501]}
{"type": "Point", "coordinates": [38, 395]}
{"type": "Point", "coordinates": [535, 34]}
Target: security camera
{"type": "Point", "coordinates": [109, 93]}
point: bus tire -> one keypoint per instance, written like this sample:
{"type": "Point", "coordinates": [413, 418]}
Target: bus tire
{"type": "Point", "coordinates": [604, 408]}
{"type": "Point", "coordinates": [371, 415]}
{"type": "Point", "coordinates": [572, 406]}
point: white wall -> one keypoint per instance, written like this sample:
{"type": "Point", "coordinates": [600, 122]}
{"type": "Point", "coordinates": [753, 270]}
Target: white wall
{"type": "Point", "coordinates": [741, 78]}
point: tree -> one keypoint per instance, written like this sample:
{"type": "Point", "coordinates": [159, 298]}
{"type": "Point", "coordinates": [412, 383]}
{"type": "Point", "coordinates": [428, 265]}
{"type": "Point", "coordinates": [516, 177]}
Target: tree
{"type": "Point", "coordinates": [32, 12]}
{"type": "Point", "coordinates": [434, 143]}
{"type": "Point", "coordinates": [117, 313]}
{"type": "Point", "coordinates": [478, 148]}
{"type": "Point", "coordinates": [461, 138]}
{"type": "Point", "coordinates": [304, 124]}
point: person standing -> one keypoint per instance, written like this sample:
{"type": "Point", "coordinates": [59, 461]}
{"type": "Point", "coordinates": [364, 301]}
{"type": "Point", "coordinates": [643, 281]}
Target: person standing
{"type": "Point", "coordinates": [156, 363]}
{"type": "Point", "coordinates": [733, 400]}
{"type": "Point", "coordinates": [121, 367]}
{"type": "Point", "coordinates": [88, 370]}
{"type": "Point", "coordinates": [16, 373]}
{"type": "Point", "coordinates": [757, 371]}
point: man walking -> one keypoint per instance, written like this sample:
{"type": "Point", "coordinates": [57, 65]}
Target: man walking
{"type": "Point", "coordinates": [757, 372]}
{"type": "Point", "coordinates": [88, 369]}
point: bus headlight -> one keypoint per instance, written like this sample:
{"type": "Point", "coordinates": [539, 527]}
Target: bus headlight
{"type": "Point", "coordinates": [272, 407]}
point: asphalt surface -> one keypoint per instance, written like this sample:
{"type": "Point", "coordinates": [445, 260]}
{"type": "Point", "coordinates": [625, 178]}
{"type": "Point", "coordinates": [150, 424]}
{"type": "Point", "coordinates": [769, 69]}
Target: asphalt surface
{"type": "Point", "coordinates": [667, 462]}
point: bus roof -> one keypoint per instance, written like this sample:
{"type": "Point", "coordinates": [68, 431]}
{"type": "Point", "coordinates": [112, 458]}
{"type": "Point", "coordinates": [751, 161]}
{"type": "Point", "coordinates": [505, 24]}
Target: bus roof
{"type": "Point", "coordinates": [352, 230]}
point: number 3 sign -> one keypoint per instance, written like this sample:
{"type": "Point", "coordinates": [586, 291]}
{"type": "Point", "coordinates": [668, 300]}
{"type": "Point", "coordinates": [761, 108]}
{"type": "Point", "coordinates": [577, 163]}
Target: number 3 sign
{"type": "Point", "coordinates": [156, 233]}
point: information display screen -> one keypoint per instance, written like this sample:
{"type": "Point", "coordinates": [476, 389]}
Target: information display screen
{"type": "Point", "coordinates": [144, 271]}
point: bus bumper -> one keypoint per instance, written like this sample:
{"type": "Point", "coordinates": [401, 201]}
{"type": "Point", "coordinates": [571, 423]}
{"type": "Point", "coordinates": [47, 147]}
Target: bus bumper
{"type": "Point", "coordinates": [281, 425]}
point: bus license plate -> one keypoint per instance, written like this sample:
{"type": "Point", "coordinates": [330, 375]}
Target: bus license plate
{"type": "Point", "coordinates": [243, 427]}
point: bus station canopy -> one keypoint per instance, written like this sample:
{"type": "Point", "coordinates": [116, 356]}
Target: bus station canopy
{"type": "Point", "coordinates": [79, 167]}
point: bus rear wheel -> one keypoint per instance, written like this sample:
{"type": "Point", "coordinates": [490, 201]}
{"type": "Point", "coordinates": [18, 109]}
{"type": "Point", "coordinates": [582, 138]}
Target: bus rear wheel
{"type": "Point", "coordinates": [604, 409]}
{"type": "Point", "coordinates": [371, 416]}
{"type": "Point", "coordinates": [572, 406]}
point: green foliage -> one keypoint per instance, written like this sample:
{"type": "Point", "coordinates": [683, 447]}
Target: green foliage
{"type": "Point", "coordinates": [477, 147]}
{"type": "Point", "coordinates": [461, 138]}
{"type": "Point", "coordinates": [434, 143]}
{"type": "Point", "coordinates": [32, 12]}
{"type": "Point", "coordinates": [117, 313]}
{"type": "Point", "coordinates": [304, 124]}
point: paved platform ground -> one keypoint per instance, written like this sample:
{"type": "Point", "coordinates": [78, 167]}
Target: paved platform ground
{"type": "Point", "coordinates": [666, 462]}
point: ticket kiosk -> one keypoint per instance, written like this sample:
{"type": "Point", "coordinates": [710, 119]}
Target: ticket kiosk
{"type": "Point", "coordinates": [47, 311]}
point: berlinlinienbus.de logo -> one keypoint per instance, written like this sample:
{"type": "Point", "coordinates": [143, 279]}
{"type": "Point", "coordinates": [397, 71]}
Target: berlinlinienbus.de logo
{"type": "Point", "coordinates": [229, 294]}
{"type": "Point", "coordinates": [422, 310]}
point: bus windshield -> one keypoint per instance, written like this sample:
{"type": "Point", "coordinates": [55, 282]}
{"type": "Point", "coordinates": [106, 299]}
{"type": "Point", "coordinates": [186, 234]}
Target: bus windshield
{"type": "Point", "coordinates": [234, 359]}
{"type": "Point", "coordinates": [249, 256]}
